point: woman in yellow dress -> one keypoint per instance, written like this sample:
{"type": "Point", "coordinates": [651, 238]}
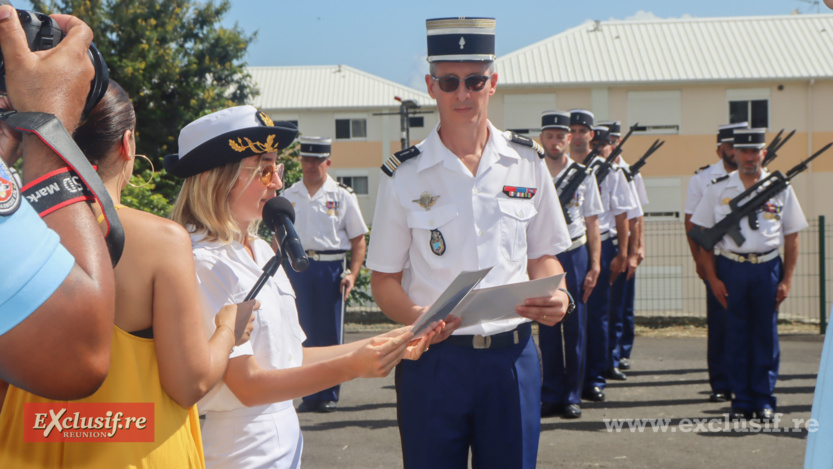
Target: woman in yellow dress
{"type": "Point", "coordinates": [160, 357]}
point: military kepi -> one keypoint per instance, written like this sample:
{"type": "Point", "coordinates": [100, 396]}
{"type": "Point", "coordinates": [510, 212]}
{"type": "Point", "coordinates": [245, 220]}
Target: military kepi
{"type": "Point", "coordinates": [750, 138]}
{"type": "Point", "coordinates": [555, 120]}
{"type": "Point", "coordinates": [316, 147]}
{"type": "Point", "coordinates": [615, 127]}
{"type": "Point", "coordinates": [726, 133]}
{"type": "Point", "coordinates": [581, 117]}
{"type": "Point", "coordinates": [227, 136]}
{"type": "Point", "coordinates": [601, 133]}
{"type": "Point", "coordinates": [461, 39]}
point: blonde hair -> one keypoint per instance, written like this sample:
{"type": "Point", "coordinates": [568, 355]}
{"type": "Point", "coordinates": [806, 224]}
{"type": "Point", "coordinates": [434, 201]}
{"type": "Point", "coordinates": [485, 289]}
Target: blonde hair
{"type": "Point", "coordinates": [203, 205]}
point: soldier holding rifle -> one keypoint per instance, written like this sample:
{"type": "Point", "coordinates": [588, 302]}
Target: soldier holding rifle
{"type": "Point", "coordinates": [759, 213]}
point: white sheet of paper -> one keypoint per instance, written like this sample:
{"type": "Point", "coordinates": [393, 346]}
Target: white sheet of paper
{"type": "Point", "coordinates": [489, 304]}
{"type": "Point", "coordinates": [448, 300]}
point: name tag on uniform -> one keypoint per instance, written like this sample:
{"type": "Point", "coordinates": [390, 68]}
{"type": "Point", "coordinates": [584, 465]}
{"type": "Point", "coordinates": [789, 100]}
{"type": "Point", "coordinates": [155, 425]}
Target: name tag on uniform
{"type": "Point", "coordinates": [519, 192]}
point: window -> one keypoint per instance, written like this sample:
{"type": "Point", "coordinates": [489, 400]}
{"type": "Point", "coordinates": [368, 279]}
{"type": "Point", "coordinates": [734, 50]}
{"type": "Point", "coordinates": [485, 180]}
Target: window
{"type": "Point", "coordinates": [358, 183]}
{"type": "Point", "coordinates": [749, 105]}
{"type": "Point", "coordinates": [417, 121]}
{"type": "Point", "coordinates": [351, 128]}
{"type": "Point", "coordinates": [657, 111]}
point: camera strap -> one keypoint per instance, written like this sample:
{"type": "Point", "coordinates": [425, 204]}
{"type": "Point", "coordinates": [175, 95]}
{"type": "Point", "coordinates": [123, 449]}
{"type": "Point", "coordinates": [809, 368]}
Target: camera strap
{"type": "Point", "coordinates": [78, 182]}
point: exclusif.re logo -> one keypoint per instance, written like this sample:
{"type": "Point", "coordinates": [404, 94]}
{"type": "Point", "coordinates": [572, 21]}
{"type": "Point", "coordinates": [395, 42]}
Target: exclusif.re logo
{"type": "Point", "coordinates": [88, 422]}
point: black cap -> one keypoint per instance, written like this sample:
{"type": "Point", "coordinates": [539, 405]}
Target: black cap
{"type": "Point", "coordinates": [750, 138]}
{"type": "Point", "coordinates": [555, 120]}
{"type": "Point", "coordinates": [461, 39]}
{"type": "Point", "coordinates": [725, 133]}
{"type": "Point", "coordinates": [581, 117]}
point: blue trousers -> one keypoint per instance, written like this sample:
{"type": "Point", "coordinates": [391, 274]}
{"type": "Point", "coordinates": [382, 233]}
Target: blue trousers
{"type": "Point", "coordinates": [562, 345]}
{"type": "Point", "coordinates": [716, 342]}
{"type": "Point", "coordinates": [615, 317]}
{"type": "Point", "coordinates": [455, 399]}
{"type": "Point", "coordinates": [318, 298]}
{"type": "Point", "coordinates": [597, 322]}
{"type": "Point", "coordinates": [628, 322]}
{"type": "Point", "coordinates": [752, 349]}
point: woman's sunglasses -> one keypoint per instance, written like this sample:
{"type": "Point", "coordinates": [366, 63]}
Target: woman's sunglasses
{"type": "Point", "coordinates": [450, 83]}
{"type": "Point", "coordinates": [268, 171]}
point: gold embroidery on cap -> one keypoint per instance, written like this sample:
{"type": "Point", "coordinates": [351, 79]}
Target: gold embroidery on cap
{"type": "Point", "coordinates": [266, 119]}
{"type": "Point", "coordinates": [256, 147]}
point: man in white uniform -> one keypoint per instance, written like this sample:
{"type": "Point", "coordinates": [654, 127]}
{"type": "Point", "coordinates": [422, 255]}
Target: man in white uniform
{"type": "Point", "coordinates": [750, 280]}
{"type": "Point", "coordinates": [329, 224]}
{"type": "Point", "coordinates": [562, 346]}
{"type": "Point", "coordinates": [715, 316]}
{"type": "Point", "coordinates": [468, 197]}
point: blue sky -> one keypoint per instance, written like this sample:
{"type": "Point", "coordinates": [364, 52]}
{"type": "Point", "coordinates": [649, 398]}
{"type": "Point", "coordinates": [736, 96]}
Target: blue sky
{"type": "Point", "coordinates": [387, 37]}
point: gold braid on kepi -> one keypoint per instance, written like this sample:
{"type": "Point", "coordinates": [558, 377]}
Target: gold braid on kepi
{"type": "Point", "coordinates": [256, 147]}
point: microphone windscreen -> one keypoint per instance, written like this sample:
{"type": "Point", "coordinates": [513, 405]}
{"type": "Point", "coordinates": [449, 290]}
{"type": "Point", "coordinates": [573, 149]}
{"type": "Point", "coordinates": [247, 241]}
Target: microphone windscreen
{"type": "Point", "coordinates": [276, 207]}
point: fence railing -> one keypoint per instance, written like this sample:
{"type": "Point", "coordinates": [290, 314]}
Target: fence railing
{"type": "Point", "coordinates": [667, 284]}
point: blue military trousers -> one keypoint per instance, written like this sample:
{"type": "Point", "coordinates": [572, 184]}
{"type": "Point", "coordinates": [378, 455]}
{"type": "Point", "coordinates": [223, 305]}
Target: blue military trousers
{"type": "Point", "coordinates": [562, 345]}
{"type": "Point", "coordinates": [597, 322]}
{"type": "Point", "coordinates": [752, 349]}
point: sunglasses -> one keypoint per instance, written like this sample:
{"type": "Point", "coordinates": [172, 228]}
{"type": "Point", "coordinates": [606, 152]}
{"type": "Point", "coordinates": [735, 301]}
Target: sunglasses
{"type": "Point", "coordinates": [268, 171]}
{"type": "Point", "coordinates": [450, 83]}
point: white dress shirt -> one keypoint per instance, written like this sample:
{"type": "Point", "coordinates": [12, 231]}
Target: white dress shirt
{"type": "Point", "coordinates": [328, 220]}
{"type": "Point", "coordinates": [225, 274]}
{"type": "Point", "coordinates": [780, 216]}
{"type": "Point", "coordinates": [585, 203]}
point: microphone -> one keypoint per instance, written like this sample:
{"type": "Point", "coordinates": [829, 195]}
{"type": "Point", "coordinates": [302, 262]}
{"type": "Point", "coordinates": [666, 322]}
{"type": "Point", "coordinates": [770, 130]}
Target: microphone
{"type": "Point", "coordinates": [278, 214]}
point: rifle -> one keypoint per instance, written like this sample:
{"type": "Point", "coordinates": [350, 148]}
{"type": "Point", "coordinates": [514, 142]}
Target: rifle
{"type": "Point", "coordinates": [634, 169]}
{"type": "Point", "coordinates": [777, 143]}
{"type": "Point", "coordinates": [594, 153]}
{"type": "Point", "coordinates": [602, 169]}
{"type": "Point", "coordinates": [763, 190]}
{"type": "Point", "coordinates": [577, 175]}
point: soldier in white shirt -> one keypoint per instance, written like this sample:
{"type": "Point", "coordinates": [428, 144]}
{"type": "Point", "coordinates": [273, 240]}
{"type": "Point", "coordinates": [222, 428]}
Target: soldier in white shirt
{"type": "Point", "coordinates": [622, 292]}
{"type": "Point", "coordinates": [329, 223]}
{"type": "Point", "coordinates": [618, 203]}
{"type": "Point", "coordinates": [715, 316]}
{"type": "Point", "coordinates": [466, 198]}
{"type": "Point", "coordinates": [750, 280]}
{"type": "Point", "coordinates": [562, 346]}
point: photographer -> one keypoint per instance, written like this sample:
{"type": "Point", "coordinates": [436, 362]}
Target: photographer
{"type": "Point", "coordinates": [57, 289]}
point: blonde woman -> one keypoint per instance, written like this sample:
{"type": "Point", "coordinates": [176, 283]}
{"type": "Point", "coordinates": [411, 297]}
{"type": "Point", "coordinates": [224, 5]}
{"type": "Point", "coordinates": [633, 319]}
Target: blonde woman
{"type": "Point", "coordinates": [229, 160]}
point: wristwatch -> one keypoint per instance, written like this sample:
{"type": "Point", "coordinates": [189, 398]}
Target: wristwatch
{"type": "Point", "coordinates": [570, 307]}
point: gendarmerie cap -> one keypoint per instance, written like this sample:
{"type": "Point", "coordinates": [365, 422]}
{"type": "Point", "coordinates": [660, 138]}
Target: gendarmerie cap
{"type": "Point", "coordinates": [225, 137]}
{"type": "Point", "coordinates": [581, 117]}
{"type": "Point", "coordinates": [750, 138]}
{"type": "Point", "coordinates": [600, 133]}
{"type": "Point", "coordinates": [615, 127]}
{"type": "Point", "coordinates": [318, 147]}
{"type": "Point", "coordinates": [461, 39]}
{"type": "Point", "coordinates": [555, 120]}
{"type": "Point", "coordinates": [725, 133]}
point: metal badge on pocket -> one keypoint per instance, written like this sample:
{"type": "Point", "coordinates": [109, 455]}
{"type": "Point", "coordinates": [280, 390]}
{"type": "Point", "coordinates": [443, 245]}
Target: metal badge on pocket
{"type": "Point", "coordinates": [437, 242]}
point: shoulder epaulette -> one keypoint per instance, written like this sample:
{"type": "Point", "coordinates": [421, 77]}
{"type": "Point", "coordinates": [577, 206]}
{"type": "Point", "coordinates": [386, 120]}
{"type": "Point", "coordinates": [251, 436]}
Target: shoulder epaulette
{"type": "Point", "coordinates": [701, 169]}
{"type": "Point", "coordinates": [390, 165]}
{"type": "Point", "coordinates": [719, 179]}
{"type": "Point", "coordinates": [527, 142]}
{"type": "Point", "coordinates": [345, 187]}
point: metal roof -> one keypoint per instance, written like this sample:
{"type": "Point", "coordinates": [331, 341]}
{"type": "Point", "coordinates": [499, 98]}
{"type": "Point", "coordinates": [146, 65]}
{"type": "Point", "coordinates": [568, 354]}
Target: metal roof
{"type": "Point", "coordinates": [677, 50]}
{"type": "Point", "coordinates": [328, 87]}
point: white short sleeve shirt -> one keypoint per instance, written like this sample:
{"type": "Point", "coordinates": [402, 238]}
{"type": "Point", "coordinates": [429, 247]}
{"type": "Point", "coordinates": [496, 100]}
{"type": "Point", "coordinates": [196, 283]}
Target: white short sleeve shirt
{"type": "Point", "coordinates": [585, 203]}
{"type": "Point", "coordinates": [780, 216]}
{"type": "Point", "coordinates": [225, 275]}
{"type": "Point", "coordinates": [329, 219]}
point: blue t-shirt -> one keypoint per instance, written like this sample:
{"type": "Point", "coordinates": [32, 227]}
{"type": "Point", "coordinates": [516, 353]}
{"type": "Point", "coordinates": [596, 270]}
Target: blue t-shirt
{"type": "Point", "coordinates": [34, 264]}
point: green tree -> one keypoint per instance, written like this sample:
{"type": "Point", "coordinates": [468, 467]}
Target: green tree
{"type": "Point", "coordinates": [175, 61]}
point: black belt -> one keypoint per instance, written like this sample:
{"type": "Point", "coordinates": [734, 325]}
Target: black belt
{"type": "Point", "coordinates": [337, 251]}
{"type": "Point", "coordinates": [503, 339]}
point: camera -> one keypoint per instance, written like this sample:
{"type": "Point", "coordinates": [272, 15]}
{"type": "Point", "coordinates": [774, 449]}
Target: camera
{"type": "Point", "coordinates": [43, 34]}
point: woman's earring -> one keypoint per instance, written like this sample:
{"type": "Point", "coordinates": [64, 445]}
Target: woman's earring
{"type": "Point", "coordinates": [145, 183]}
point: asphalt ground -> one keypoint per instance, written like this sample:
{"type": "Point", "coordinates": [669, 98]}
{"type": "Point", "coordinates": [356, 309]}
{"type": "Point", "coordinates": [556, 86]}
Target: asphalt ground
{"type": "Point", "coordinates": [668, 381]}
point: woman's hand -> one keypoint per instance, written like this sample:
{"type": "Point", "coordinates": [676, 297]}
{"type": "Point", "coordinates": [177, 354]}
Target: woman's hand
{"type": "Point", "coordinates": [239, 319]}
{"type": "Point", "coordinates": [380, 354]}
